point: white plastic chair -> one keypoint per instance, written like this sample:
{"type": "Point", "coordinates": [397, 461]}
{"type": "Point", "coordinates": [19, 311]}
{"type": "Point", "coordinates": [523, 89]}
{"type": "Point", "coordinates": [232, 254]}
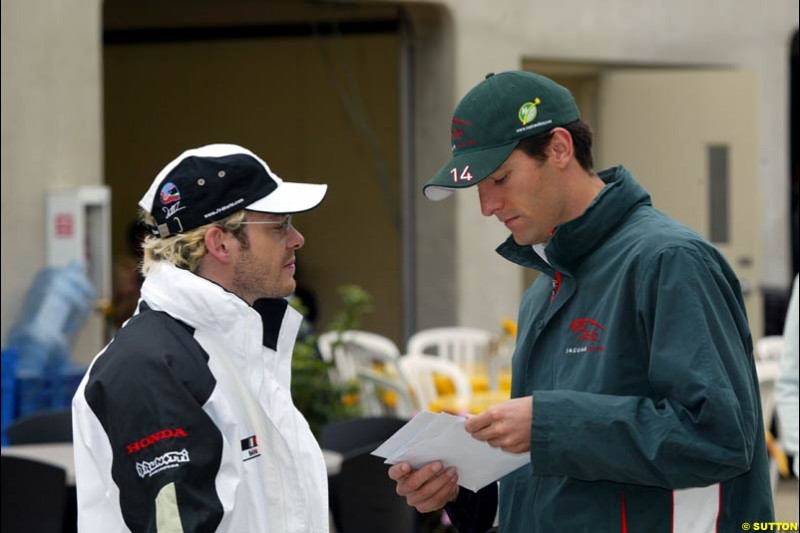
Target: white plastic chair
{"type": "Point", "coordinates": [353, 350]}
{"type": "Point", "coordinates": [501, 362]}
{"type": "Point", "coordinates": [769, 348]}
{"type": "Point", "coordinates": [767, 355]}
{"type": "Point", "coordinates": [467, 347]}
{"type": "Point", "coordinates": [357, 356]}
{"type": "Point", "coordinates": [373, 385]}
{"type": "Point", "coordinates": [420, 369]}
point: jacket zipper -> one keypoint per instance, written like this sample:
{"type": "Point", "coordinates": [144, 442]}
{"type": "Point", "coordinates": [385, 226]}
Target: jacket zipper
{"type": "Point", "coordinates": [557, 279]}
{"type": "Point", "coordinates": [556, 286]}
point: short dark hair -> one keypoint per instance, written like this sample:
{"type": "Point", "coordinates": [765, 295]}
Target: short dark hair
{"type": "Point", "coordinates": [581, 140]}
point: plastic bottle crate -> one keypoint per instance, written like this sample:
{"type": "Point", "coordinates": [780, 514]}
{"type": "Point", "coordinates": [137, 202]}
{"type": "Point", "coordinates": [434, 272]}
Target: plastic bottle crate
{"type": "Point", "coordinates": [66, 385]}
{"type": "Point", "coordinates": [34, 394]}
{"type": "Point", "coordinates": [10, 357]}
{"type": "Point", "coordinates": [54, 390]}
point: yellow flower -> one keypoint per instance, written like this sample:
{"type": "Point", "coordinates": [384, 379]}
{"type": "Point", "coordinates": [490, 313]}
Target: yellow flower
{"type": "Point", "coordinates": [349, 399]}
{"type": "Point", "coordinates": [509, 327]}
{"type": "Point", "coordinates": [389, 398]}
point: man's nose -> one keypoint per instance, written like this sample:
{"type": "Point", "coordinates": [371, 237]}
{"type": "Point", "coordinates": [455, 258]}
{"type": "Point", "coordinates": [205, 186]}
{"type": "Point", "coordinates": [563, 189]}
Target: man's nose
{"type": "Point", "coordinates": [295, 240]}
{"type": "Point", "coordinates": [489, 200]}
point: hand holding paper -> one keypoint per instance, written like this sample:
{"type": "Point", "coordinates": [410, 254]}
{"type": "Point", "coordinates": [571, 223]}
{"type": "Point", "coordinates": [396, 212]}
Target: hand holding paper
{"type": "Point", "coordinates": [428, 488]}
{"type": "Point", "coordinates": [506, 426]}
{"type": "Point", "coordinates": [441, 437]}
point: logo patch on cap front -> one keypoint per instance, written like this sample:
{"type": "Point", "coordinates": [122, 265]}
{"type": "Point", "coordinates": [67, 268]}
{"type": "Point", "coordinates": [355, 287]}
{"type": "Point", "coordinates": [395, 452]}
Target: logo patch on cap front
{"type": "Point", "coordinates": [527, 113]}
{"type": "Point", "coordinates": [459, 133]}
{"type": "Point", "coordinates": [170, 193]}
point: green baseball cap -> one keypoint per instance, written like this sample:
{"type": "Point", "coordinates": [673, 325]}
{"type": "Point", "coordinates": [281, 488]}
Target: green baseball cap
{"type": "Point", "coordinates": [490, 121]}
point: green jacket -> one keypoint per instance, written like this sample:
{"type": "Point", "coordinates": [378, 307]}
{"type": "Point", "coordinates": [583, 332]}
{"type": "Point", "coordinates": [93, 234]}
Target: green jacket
{"type": "Point", "coordinates": [643, 380]}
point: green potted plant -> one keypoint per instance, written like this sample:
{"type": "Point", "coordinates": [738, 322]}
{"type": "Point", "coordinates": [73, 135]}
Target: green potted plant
{"type": "Point", "coordinates": [315, 395]}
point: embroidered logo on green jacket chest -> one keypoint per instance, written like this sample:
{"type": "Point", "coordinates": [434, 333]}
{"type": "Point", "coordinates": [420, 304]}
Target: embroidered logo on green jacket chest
{"type": "Point", "coordinates": [589, 334]}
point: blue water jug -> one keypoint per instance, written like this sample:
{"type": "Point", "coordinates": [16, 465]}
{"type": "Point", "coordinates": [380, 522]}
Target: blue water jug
{"type": "Point", "coordinates": [55, 306]}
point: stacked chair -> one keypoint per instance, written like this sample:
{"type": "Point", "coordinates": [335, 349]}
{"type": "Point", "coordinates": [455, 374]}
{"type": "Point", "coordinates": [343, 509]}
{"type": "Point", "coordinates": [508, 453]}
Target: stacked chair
{"type": "Point", "coordinates": [463, 346]}
{"type": "Point", "coordinates": [372, 360]}
{"type": "Point", "coordinates": [422, 371]}
{"type": "Point", "coordinates": [767, 352]}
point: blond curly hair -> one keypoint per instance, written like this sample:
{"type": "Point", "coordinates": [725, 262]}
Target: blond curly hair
{"type": "Point", "coordinates": [186, 250]}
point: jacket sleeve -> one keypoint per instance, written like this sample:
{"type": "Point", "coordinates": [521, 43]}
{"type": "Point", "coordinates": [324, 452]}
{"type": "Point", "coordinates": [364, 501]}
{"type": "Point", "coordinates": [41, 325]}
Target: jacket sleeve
{"type": "Point", "coordinates": [473, 512]}
{"type": "Point", "coordinates": [145, 435]}
{"type": "Point", "coordinates": [699, 424]}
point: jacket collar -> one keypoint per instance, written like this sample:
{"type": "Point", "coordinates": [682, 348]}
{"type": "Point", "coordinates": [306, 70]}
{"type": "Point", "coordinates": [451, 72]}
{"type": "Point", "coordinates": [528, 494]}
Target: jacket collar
{"type": "Point", "coordinates": [204, 305]}
{"type": "Point", "coordinates": [574, 239]}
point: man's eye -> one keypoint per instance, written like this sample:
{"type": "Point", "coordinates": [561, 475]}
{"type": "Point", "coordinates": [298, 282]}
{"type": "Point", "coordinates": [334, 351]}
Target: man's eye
{"type": "Point", "coordinates": [284, 225]}
{"type": "Point", "coordinates": [499, 181]}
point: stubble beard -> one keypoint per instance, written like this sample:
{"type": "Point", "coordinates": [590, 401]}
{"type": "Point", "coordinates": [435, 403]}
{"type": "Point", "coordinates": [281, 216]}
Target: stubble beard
{"type": "Point", "coordinates": [254, 281]}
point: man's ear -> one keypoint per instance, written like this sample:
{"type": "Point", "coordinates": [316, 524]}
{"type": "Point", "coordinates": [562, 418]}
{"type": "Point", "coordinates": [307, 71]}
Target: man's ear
{"type": "Point", "coordinates": [218, 244]}
{"type": "Point", "coordinates": [561, 148]}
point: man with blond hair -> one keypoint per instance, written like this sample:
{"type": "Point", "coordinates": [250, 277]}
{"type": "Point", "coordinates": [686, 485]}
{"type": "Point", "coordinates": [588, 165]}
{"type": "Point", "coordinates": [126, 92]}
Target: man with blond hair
{"type": "Point", "coordinates": [185, 421]}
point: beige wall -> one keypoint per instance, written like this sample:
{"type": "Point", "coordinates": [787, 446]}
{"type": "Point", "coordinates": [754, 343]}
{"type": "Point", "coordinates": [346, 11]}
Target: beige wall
{"type": "Point", "coordinates": [316, 109]}
{"type": "Point", "coordinates": [738, 33]}
{"type": "Point", "coordinates": [51, 133]}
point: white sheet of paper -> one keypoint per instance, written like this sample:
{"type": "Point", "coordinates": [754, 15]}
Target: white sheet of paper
{"type": "Point", "coordinates": [442, 437]}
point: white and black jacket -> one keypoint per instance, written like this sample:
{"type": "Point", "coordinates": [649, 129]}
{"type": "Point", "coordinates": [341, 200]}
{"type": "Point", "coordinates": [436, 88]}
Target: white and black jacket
{"type": "Point", "coordinates": [185, 421]}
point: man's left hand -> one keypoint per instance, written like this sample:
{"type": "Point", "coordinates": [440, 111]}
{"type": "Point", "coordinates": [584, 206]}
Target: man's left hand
{"type": "Point", "coordinates": [506, 426]}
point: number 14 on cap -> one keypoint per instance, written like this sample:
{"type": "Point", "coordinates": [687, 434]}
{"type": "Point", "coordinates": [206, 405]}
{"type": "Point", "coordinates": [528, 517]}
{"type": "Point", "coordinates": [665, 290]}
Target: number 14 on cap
{"type": "Point", "coordinates": [466, 175]}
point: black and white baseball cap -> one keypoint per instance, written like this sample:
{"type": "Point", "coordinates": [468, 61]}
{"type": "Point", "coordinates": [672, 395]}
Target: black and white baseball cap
{"type": "Point", "coordinates": [209, 183]}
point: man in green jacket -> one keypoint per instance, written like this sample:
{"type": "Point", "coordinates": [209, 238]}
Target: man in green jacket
{"type": "Point", "coordinates": [634, 387]}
